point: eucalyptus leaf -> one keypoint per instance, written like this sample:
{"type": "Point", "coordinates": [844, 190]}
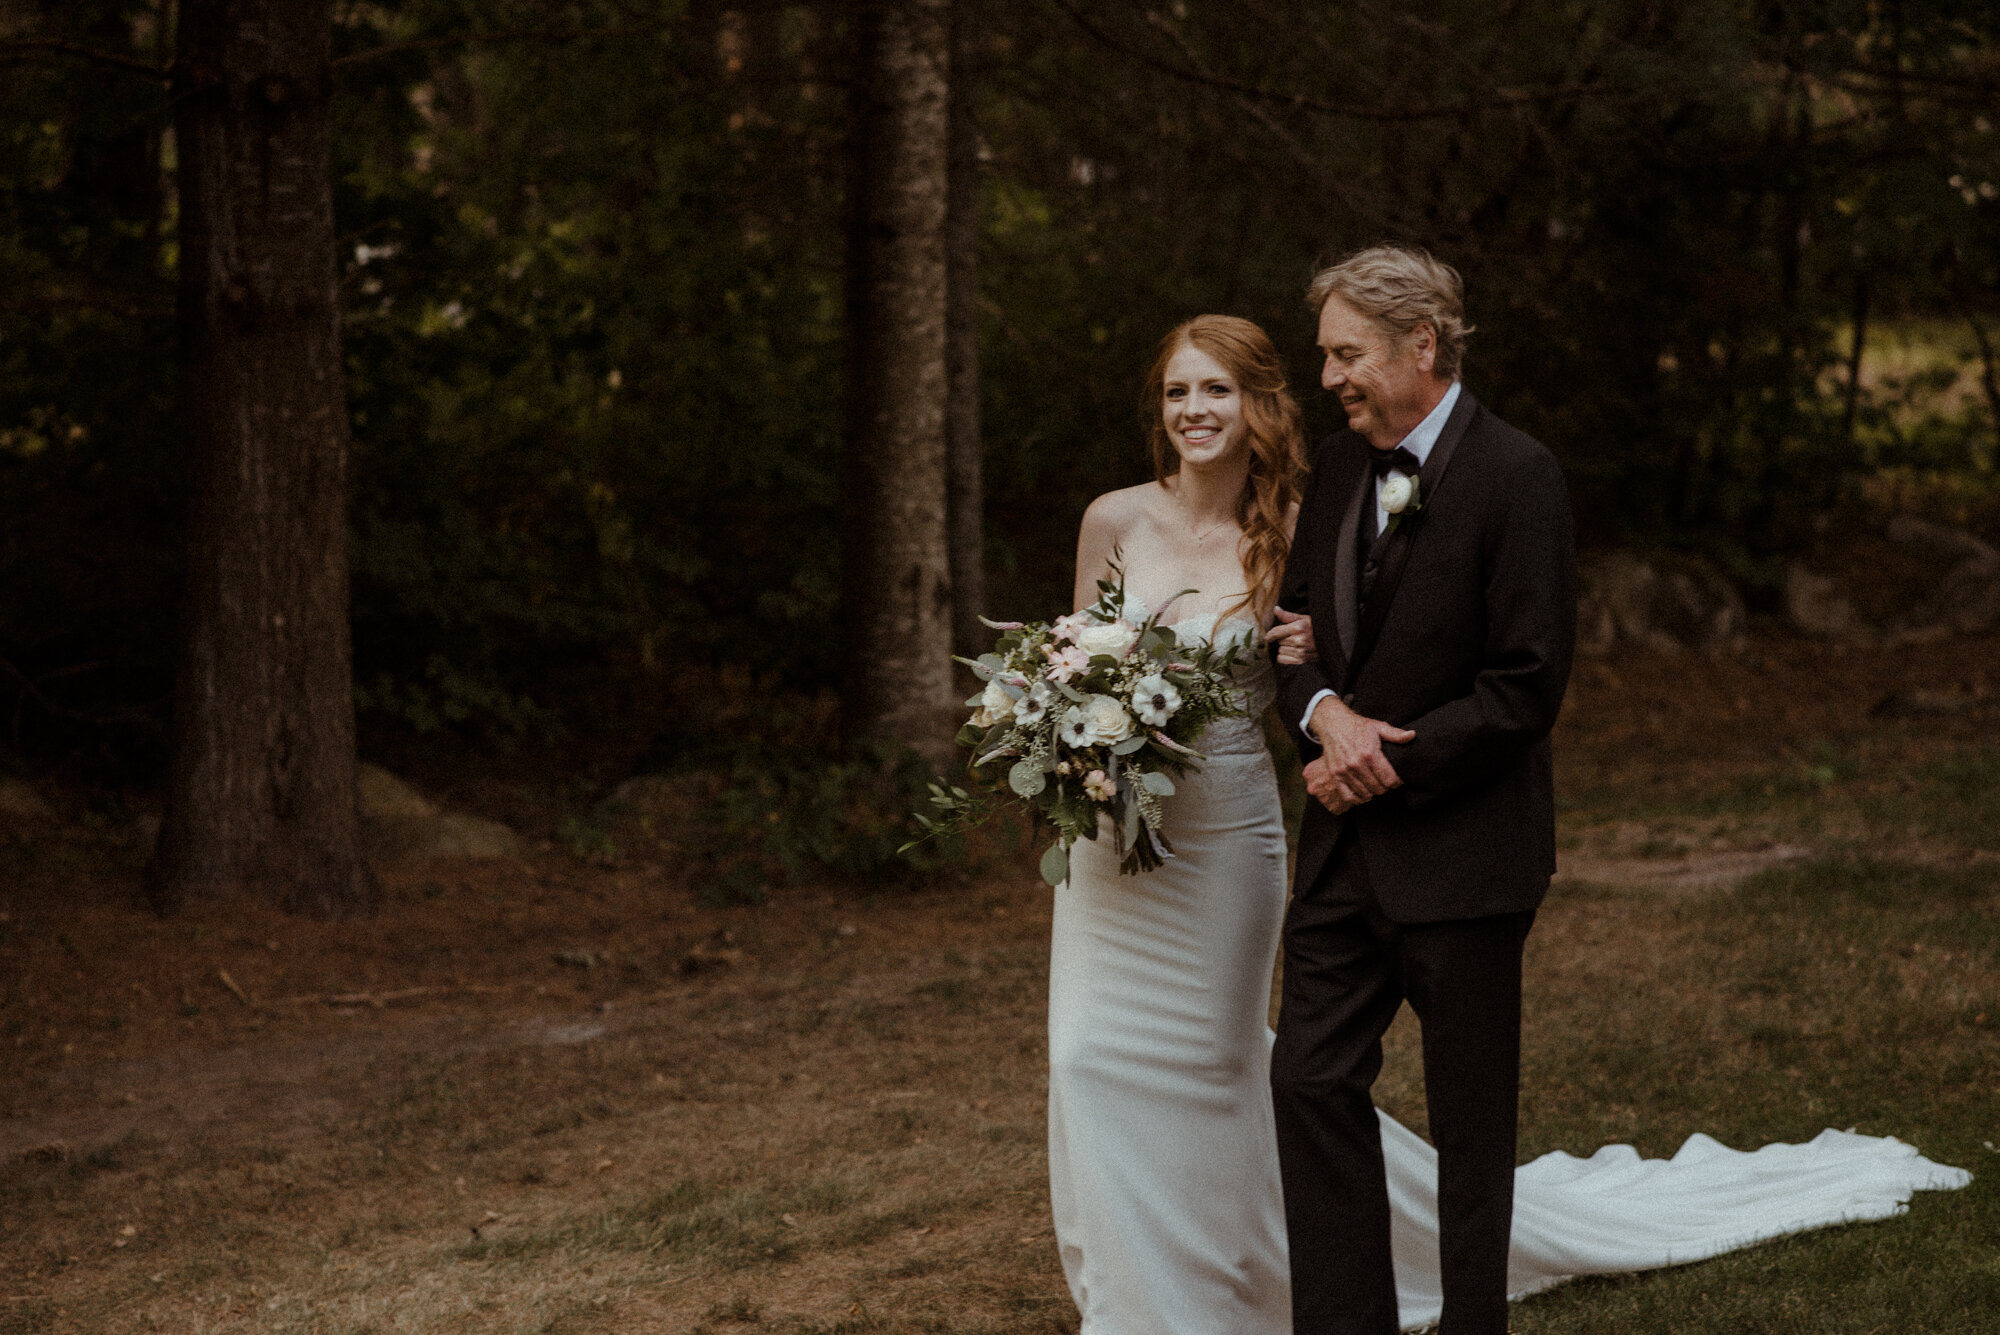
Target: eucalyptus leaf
{"type": "Point", "coordinates": [1130, 744]}
{"type": "Point", "coordinates": [1055, 864]}
{"type": "Point", "coordinates": [1027, 778]}
{"type": "Point", "coordinates": [1159, 785]}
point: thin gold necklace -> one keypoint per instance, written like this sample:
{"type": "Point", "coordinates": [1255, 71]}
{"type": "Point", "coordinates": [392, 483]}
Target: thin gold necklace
{"type": "Point", "coordinates": [1200, 535]}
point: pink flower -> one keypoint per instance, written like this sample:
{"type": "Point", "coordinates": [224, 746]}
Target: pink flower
{"type": "Point", "coordinates": [1098, 786]}
{"type": "Point", "coordinates": [1066, 662]}
{"type": "Point", "coordinates": [1067, 628]}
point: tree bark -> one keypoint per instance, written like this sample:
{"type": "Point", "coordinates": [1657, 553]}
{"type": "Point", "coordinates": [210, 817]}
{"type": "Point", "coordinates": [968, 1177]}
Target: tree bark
{"type": "Point", "coordinates": [895, 577]}
{"type": "Point", "coordinates": [261, 790]}
{"type": "Point", "coordinates": [1855, 350]}
{"type": "Point", "coordinates": [966, 482]}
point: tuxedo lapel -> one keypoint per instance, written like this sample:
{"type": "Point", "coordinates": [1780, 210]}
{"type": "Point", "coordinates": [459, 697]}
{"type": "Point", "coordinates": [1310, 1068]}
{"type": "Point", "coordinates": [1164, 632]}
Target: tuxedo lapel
{"type": "Point", "coordinates": [1392, 549]}
{"type": "Point", "coordinates": [1346, 577]}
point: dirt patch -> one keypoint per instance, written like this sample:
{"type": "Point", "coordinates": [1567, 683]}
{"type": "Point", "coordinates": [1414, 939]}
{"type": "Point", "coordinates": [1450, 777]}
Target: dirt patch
{"type": "Point", "coordinates": [803, 1115]}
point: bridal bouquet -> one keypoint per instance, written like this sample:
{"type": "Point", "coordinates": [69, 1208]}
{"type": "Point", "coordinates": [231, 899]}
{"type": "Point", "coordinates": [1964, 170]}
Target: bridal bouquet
{"type": "Point", "coordinates": [1093, 714]}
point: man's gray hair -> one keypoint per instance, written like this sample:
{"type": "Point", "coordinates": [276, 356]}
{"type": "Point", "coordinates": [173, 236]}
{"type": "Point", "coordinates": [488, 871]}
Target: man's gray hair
{"type": "Point", "coordinates": [1402, 289]}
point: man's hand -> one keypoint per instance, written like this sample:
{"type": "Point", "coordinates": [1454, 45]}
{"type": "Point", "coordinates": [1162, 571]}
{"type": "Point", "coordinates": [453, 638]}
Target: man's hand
{"type": "Point", "coordinates": [1351, 767]}
{"type": "Point", "coordinates": [1328, 791]}
{"type": "Point", "coordinates": [1293, 635]}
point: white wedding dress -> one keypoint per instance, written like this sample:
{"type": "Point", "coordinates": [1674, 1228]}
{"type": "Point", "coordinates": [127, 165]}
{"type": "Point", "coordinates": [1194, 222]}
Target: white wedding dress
{"type": "Point", "coordinates": [1163, 1170]}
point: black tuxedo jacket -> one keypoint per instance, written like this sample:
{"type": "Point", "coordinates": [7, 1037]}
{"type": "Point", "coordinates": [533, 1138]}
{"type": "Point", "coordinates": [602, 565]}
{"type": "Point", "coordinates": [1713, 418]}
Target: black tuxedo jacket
{"type": "Point", "coordinates": [1465, 638]}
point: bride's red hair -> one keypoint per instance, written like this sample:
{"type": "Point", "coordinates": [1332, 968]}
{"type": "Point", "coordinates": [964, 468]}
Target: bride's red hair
{"type": "Point", "coordinates": [1276, 437]}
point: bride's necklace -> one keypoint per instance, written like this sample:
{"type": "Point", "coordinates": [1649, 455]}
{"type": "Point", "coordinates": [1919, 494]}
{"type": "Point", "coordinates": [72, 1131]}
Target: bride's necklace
{"type": "Point", "coordinates": [1200, 535]}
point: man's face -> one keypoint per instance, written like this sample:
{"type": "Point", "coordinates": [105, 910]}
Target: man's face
{"type": "Point", "coordinates": [1386, 389]}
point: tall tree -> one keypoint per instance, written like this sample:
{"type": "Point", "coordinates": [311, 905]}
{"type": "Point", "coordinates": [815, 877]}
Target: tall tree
{"type": "Point", "coordinates": [965, 457]}
{"type": "Point", "coordinates": [261, 791]}
{"type": "Point", "coordinates": [895, 565]}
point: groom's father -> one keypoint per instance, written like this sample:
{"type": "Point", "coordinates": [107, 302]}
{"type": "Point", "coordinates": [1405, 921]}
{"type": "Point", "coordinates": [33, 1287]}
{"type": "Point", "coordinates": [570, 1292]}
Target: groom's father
{"type": "Point", "coordinates": [1435, 556]}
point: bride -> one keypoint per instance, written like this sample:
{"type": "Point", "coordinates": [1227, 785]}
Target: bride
{"type": "Point", "coordinates": [1163, 1170]}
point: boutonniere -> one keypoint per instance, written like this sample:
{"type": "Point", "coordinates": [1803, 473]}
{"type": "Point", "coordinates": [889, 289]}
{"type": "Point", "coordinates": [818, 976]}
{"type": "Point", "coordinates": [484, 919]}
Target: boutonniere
{"type": "Point", "coordinates": [1401, 495]}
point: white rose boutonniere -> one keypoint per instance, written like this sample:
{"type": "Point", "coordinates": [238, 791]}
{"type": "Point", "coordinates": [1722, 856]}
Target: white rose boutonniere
{"type": "Point", "coordinates": [1400, 496]}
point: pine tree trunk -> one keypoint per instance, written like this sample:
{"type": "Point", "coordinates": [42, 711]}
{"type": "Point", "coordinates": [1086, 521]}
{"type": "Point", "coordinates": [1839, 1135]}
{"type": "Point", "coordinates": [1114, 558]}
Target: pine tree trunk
{"type": "Point", "coordinates": [966, 458]}
{"type": "Point", "coordinates": [895, 577]}
{"type": "Point", "coordinates": [261, 793]}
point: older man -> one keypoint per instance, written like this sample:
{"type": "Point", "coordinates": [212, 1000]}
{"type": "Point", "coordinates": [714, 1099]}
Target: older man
{"type": "Point", "coordinates": [1435, 556]}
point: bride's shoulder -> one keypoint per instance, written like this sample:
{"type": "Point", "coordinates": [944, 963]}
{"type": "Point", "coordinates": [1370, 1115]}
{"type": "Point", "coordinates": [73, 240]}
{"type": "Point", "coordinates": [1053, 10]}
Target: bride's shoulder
{"type": "Point", "coordinates": [1116, 512]}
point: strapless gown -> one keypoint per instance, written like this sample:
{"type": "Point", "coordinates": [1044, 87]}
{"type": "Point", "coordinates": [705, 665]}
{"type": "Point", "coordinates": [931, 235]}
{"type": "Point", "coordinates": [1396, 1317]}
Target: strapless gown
{"type": "Point", "coordinates": [1163, 1168]}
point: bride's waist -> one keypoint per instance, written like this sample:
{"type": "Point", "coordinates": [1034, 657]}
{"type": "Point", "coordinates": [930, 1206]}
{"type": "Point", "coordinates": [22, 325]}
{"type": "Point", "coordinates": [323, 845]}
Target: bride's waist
{"type": "Point", "coordinates": [1232, 737]}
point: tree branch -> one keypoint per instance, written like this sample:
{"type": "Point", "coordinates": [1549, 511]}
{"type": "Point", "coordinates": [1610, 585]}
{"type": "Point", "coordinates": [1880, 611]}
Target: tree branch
{"type": "Point", "coordinates": [484, 39]}
{"type": "Point", "coordinates": [1501, 98]}
{"type": "Point", "coordinates": [25, 53]}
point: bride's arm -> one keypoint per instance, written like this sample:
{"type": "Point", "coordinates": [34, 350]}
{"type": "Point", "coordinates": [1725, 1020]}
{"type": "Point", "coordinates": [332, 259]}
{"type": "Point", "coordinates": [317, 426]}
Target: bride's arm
{"type": "Point", "coordinates": [1096, 543]}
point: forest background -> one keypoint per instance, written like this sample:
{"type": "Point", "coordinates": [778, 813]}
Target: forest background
{"type": "Point", "coordinates": [589, 305]}
{"type": "Point", "coordinates": [1735, 262]}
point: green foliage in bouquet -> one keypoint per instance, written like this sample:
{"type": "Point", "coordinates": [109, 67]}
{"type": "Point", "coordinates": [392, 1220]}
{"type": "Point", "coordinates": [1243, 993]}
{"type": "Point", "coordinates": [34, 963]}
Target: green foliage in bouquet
{"type": "Point", "coordinates": [1090, 716]}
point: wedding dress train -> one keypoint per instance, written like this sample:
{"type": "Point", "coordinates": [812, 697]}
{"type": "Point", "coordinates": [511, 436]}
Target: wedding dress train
{"type": "Point", "coordinates": [1163, 1172]}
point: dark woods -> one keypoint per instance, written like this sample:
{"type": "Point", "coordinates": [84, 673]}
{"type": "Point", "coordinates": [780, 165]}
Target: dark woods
{"type": "Point", "coordinates": [671, 332]}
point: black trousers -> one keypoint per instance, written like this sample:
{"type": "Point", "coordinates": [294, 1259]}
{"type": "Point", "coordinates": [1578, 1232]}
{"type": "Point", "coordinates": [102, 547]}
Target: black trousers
{"type": "Point", "coordinates": [1348, 969]}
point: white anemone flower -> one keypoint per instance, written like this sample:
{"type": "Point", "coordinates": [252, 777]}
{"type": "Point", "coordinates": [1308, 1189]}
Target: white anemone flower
{"type": "Point", "coordinates": [1074, 728]}
{"type": "Point", "coordinates": [1155, 700]}
{"type": "Point", "coordinates": [1030, 708]}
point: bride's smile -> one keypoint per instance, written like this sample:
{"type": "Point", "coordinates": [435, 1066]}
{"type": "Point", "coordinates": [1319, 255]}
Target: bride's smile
{"type": "Point", "coordinates": [1202, 408]}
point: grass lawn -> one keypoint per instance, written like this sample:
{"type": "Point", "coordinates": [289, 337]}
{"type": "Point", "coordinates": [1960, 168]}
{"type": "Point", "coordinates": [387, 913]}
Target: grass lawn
{"type": "Point", "coordinates": [824, 1114]}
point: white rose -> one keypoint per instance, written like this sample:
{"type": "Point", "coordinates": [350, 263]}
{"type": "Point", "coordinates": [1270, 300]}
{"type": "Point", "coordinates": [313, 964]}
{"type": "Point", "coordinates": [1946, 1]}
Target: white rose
{"type": "Point", "coordinates": [1398, 490]}
{"type": "Point", "coordinates": [1109, 723]}
{"type": "Point", "coordinates": [1107, 637]}
{"type": "Point", "coordinates": [994, 705]}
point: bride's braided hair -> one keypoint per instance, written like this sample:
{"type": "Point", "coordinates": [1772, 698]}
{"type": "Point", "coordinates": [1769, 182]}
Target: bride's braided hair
{"type": "Point", "coordinates": [1274, 429]}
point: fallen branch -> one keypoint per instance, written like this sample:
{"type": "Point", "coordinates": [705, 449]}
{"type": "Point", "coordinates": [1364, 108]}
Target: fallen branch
{"type": "Point", "coordinates": [16, 53]}
{"type": "Point", "coordinates": [378, 1000]}
{"type": "Point", "coordinates": [235, 991]}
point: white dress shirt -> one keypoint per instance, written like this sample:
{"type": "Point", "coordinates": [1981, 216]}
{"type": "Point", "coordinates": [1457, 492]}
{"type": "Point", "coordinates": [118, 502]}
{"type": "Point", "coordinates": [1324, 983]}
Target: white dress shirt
{"type": "Point", "coordinates": [1422, 439]}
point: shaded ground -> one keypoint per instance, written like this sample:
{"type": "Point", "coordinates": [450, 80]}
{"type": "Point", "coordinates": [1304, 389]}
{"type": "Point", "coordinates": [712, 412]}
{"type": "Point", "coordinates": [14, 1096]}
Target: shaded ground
{"type": "Point", "coordinates": [824, 1113]}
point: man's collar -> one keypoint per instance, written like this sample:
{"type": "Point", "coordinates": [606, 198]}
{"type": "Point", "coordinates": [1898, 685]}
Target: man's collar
{"type": "Point", "coordinates": [1425, 434]}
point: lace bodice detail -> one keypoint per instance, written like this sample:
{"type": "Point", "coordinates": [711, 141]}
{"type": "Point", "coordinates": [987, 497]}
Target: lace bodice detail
{"type": "Point", "coordinates": [1253, 676]}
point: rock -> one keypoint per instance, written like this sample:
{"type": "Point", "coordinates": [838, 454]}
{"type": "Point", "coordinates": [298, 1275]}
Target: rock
{"type": "Point", "coordinates": [386, 797]}
{"type": "Point", "coordinates": [1596, 628]}
{"type": "Point", "coordinates": [1701, 610]}
{"type": "Point", "coordinates": [577, 958]}
{"type": "Point", "coordinates": [20, 804]}
{"type": "Point", "coordinates": [1628, 599]}
{"type": "Point", "coordinates": [400, 822]}
{"type": "Point", "coordinates": [453, 834]}
{"type": "Point", "coordinates": [643, 793]}
{"type": "Point", "coordinates": [1816, 606]}
{"type": "Point", "coordinates": [1966, 599]}
{"type": "Point", "coordinates": [1945, 545]}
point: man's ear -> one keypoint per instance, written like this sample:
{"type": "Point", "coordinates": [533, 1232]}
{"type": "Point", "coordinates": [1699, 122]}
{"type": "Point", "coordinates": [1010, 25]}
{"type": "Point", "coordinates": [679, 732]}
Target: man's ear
{"type": "Point", "coordinates": [1426, 345]}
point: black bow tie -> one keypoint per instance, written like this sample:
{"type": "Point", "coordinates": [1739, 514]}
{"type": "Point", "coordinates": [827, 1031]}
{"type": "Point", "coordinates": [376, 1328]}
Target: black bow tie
{"type": "Point", "coordinates": [1398, 460]}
